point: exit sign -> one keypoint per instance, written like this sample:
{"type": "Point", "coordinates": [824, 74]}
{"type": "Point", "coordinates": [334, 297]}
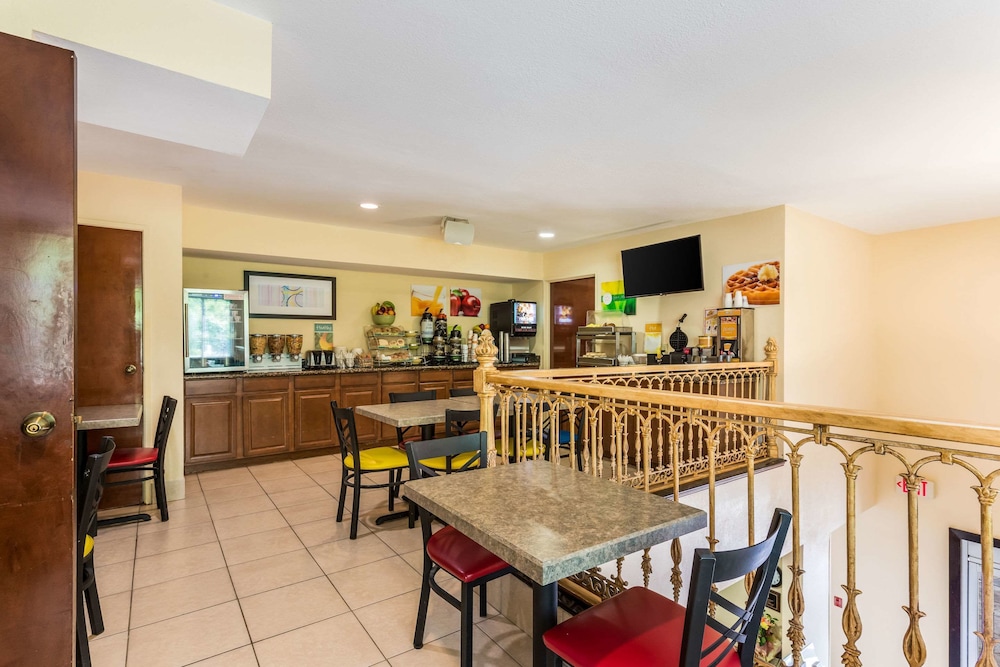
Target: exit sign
{"type": "Point", "coordinates": [925, 488]}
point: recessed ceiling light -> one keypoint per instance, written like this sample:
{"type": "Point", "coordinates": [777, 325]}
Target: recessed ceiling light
{"type": "Point", "coordinates": [369, 205]}
{"type": "Point", "coordinates": [546, 235]}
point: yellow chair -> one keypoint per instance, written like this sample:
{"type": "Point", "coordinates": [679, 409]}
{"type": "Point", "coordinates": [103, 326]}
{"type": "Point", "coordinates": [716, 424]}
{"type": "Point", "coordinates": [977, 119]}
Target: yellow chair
{"type": "Point", "coordinates": [358, 462]}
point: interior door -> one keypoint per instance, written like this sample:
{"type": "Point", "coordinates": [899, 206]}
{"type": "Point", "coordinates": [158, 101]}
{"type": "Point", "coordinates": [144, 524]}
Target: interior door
{"type": "Point", "coordinates": [109, 336]}
{"type": "Point", "coordinates": [570, 299]}
{"type": "Point", "coordinates": [37, 480]}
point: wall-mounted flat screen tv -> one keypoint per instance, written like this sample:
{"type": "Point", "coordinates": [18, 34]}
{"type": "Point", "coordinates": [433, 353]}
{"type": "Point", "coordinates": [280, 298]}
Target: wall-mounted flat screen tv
{"type": "Point", "coordinates": [663, 268]}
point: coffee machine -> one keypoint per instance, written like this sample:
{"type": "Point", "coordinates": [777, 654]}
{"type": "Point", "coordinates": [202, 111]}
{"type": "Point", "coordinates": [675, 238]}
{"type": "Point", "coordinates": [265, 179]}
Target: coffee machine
{"type": "Point", "coordinates": [733, 330]}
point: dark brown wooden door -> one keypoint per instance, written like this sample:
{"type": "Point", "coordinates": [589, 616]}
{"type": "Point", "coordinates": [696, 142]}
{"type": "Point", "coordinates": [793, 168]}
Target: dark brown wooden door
{"type": "Point", "coordinates": [109, 335]}
{"type": "Point", "coordinates": [37, 480]}
{"type": "Point", "coordinates": [570, 299]}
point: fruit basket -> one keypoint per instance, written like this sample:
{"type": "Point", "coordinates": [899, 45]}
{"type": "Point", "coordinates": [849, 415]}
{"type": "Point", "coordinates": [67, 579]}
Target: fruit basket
{"type": "Point", "coordinates": [384, 313]}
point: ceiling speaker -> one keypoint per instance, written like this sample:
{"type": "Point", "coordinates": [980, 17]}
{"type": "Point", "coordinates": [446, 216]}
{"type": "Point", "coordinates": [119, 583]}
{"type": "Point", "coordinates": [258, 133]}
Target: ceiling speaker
{"type": "Point", "coordinates": [459, 232]}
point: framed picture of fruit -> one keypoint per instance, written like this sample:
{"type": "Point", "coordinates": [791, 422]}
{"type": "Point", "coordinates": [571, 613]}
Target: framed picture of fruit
{"type": "Point", "coordinates": [426, 297]}
{"type": "Point", "coordinates": [290, 295]}
{"type": "Point", "coordinates": [465, 301]}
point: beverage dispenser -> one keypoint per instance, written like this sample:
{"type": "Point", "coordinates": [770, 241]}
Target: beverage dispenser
{"type": "Point", "coordinates": [733, 329]}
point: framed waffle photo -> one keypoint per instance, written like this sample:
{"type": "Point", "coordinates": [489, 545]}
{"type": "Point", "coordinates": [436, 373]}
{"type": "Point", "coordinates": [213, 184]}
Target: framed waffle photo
{"type": "Point", "coordinates": [759, 282]}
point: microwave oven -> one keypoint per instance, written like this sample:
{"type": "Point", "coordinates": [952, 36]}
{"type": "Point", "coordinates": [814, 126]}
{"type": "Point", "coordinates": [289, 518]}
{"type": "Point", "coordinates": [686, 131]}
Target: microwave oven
{"type": "Point", "coordinates": [518, 318]}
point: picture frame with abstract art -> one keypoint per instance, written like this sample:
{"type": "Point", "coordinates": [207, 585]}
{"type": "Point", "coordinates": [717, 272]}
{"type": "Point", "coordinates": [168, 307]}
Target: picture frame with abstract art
{"type": "Point", "coordinates": [290, 295]}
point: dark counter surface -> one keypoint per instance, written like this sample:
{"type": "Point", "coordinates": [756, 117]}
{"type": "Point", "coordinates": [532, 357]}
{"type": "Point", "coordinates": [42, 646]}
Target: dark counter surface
{"type": "Point", "coordinates": [332, 371]}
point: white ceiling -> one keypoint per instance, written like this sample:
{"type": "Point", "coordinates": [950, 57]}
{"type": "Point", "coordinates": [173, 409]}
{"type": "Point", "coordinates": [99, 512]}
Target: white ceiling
{"type": "Point", "coordinates": [590, 117]}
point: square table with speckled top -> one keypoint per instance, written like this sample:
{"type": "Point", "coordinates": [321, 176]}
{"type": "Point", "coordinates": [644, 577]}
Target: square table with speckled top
{"type": "Point", "coordinates": [563, 522]}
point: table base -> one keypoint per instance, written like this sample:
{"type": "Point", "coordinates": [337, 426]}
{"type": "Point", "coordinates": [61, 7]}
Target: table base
{"type": "Point", "coordinates": [545, 603]}
{"type": "Point", "coordinates": [128, 518]}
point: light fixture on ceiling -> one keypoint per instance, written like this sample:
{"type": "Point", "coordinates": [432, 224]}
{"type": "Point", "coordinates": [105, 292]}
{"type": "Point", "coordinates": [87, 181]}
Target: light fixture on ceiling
{"type": "Point", "coordinates": [459, 232]}
{"type": "Point", "coordinates": [371, 206]}
{"type": "Point", "coordinates": [546, 235]}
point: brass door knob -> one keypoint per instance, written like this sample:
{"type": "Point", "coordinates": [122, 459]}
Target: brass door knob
{"type": "Point", "coordinates": [38, 424]}
{"type": "Point", "coordinates": [130, 369]}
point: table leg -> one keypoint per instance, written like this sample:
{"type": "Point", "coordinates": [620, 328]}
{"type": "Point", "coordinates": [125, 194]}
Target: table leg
{"type": "Point", "coordinates": [81, 455]}
{"type": "Point", "coordinates": [545, 600]}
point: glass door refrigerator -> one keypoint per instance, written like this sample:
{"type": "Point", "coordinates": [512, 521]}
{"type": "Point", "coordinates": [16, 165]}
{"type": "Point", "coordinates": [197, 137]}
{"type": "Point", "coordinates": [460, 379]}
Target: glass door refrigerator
{"type": "Point", "coordinates": [215, 331]}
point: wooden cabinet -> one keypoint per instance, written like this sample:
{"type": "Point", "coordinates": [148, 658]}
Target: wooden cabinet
{"type": "Point", "coordinates": [361, 389]}
{"type": "Point", "coordinates": [230, 419]}
{"type": "Point", "coordinates": [440, 382]}
{"type": "Point", "coordinates": [462, 378]}
{"type": "Point", "coordinates": [267, 416]}
{"type": "Point", "coordinates": [393, 383]}
{"type": "Point", "coordinates": [211, 421]}
{"type": "Point", "coordinates": [313, 427]}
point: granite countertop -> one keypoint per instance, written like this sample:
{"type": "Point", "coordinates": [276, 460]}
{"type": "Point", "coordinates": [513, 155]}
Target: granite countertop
{"type": "Point", "coordinates": [550, 521]}
{"type": "Point", "coordinates": [330, 371]}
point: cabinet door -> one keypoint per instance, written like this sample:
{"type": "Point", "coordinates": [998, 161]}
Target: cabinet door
{"type": "Point", "coordinates": [314, 419]}
{"type": "Point", "coordinates": [439, 381]}
{"type": "Point", "coordinates": [266, 423]}
{"type": "Point", "coordinates": [462, 379]}
{"type": "Point", "coordinates": [361, 389]}
{"type": "Point", "coordinates": [392, 383]}
{"type": "Point", "coordinates": [211, 428]}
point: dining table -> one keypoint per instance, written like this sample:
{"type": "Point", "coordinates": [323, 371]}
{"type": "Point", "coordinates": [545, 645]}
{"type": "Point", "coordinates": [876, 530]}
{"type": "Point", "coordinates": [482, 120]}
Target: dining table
{"type": "Point", "coordinates": [550, 521]}
{"type": "Point", "coordinates": [417, 413]}
{"type": "Point", "coordinates": [95, 417]}
{"type": "Point", "coordinates": [424, 414]}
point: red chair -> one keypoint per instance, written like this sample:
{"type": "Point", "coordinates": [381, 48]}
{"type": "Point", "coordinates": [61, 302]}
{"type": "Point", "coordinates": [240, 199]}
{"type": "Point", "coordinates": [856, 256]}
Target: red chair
{"type": "Point", "coordinates": [448, 549]}
{"type": "Point", "coordinates": [147, 460]}
{"type": "Point", "coordinates": [640, 627]}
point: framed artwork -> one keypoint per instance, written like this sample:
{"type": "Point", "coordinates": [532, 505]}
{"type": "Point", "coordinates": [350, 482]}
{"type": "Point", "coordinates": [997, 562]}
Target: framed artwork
{"type": "Point", "coordinates": [965, 596]}
{"type": "Point", "coordinates": [427, 297]}
{"type": "Point", "coordinates": [759, 282]}
{"type": "Point", "coordinates": [613, 299]}
{"type": "Point", "coordinates": [465, 301]}
{"type": "Point", "coordinates": [291, 296]}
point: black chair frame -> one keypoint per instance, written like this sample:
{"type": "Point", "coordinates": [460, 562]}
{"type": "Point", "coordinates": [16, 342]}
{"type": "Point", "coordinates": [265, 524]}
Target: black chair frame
{"type": "Point", "coordinates": [168, 408]}
{"type": "Point", "coordinates": [347, 433]}
{"type": "Point", "coordinates": [448, 447]}
{"type": "Point", "coordinates": [89, 499]}
{"type": "Point", "coordinates": [404, 433]}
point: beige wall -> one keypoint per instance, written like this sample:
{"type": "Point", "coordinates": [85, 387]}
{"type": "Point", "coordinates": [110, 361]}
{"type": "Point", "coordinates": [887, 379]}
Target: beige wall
{"type": "Point", "coordinates": [758, 235]}
{"type": "Point", "coordinates": [357, 291]}
{"type": "Point", "coordinates": [298, 243]}
{"type": "Point", "coordinates": [933, 291]}
{"type": "Point", "coordinates": [155, 210]}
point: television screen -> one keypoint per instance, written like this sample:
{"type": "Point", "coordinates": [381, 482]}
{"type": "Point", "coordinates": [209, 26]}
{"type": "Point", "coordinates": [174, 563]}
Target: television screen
{"type": "Point", "coordinates": [663, 268]}
{"type": "Point", "coordinates": [524, 312]}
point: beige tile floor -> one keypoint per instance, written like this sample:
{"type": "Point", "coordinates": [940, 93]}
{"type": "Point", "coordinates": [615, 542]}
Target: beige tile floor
{"type": "Point", "coordinates": [253, 569]}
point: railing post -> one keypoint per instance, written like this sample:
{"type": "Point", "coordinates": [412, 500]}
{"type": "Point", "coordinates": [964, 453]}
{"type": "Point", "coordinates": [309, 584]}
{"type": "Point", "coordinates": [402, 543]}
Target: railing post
{"type": "Point", "coordinates": [771, 356]}
{"type": "Point", "coordinates": [486, 355]}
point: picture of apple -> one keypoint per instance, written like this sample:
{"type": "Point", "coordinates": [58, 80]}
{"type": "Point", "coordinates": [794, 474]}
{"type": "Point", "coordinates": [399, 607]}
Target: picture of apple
{"type": "Point", "coordinates": [471, 305]}
{"type": "Point", "coordinates": [466, 302]}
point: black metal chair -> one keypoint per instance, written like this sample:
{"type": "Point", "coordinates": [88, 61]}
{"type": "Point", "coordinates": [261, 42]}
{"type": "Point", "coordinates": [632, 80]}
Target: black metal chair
{"type": "Point", "coordinates": [146, 460]}
{"type": "Point", "coordinates": [448, 549]}
{"type": "Point", "coordinates": [461, 391]}
{"type": "Point", "coordinates": [406, 433]}
{"type": "Point", "coordinates": [358, 462]}
{"type": "Point", "coordinates": [640, 627]}
{"type": "Point", "coordinates": [91, 488]}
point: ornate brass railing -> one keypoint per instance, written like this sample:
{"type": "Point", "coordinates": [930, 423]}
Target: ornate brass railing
{"type": "Point", "coordinates": [634, 427]}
